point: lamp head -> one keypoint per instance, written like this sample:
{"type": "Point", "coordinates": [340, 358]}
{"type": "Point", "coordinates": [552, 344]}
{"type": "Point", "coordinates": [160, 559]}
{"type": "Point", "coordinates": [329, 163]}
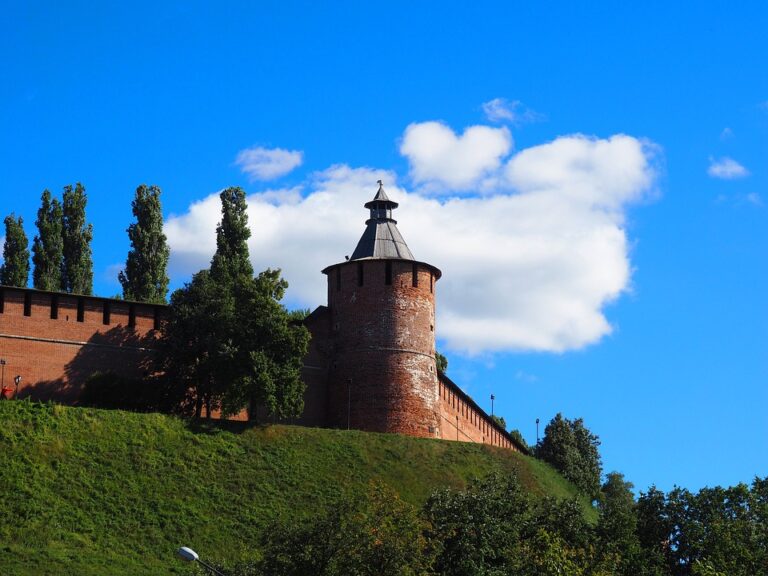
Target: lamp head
{"type": "Point", "coordinates": [188, 554]}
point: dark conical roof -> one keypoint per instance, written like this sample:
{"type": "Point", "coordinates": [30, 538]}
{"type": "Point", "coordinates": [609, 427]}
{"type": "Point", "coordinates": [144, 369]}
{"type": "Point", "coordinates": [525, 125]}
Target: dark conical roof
{"type": "Point", "coordinates": [381, 238]}
{"type": "Point", "coordinates": [381, 196]}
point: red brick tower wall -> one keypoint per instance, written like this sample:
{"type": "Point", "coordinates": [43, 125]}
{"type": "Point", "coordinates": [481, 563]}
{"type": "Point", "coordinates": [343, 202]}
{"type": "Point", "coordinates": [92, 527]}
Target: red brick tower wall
{"type": "Point", "coordinates": [382, 375]}
{"type": "Point", "coordinates": [56, 341]}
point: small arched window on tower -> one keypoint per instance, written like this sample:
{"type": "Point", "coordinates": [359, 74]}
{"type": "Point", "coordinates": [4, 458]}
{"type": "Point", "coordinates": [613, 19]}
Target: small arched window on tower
{"type": "Point", "coordinates": [414, 275]}
{"type": "Point", "coordinates": [431, 281]}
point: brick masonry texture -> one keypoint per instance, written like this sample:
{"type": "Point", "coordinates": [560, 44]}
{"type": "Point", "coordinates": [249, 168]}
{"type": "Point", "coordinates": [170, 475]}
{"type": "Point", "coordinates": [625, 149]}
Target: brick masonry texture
{"type": "Point", "coordinates": [382, 374]}
{"type": "Point", "coordinates": [55, 341]}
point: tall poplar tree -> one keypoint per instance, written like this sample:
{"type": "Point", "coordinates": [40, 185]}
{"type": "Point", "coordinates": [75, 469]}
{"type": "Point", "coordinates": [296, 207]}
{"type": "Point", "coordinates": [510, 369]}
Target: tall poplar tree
{"type": "Point", "coordinates": [231, 259]}
{"type": "Point", "coordinates": [145, 278]}
{"type": "Point", "coordinates": [77, 266]}
{"type": "Point", "coordinates": [15, 268]}
{"type": "Point", "coordinates": [228, 342]}
{"type": "Point", "coordinates": [47, 247]}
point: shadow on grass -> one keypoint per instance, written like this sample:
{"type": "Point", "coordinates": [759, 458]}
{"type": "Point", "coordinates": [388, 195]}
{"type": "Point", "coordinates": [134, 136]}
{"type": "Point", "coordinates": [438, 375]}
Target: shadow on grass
{"type": "Point", "coordinates": [215, 426]}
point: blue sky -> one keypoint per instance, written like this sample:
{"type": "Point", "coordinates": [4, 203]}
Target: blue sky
{"type": "Point", "coordinates": [602, 166]}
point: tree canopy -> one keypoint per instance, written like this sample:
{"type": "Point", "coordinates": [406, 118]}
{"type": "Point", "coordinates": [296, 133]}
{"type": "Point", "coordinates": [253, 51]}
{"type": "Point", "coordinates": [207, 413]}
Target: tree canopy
{"type": "Point", "coordinates": [442, 362]}
{"type": "Point", "coordinates": [15, 268]}
{"type": "Point", "coordinates": [145, 277]}
{"type": "Point", "coordinates": [494, 527]}
{"type": "Point", "coordinates": [48, 247]}
{"type": "Point", "coordinates": [77, 265]}
{"type": "Point", "coordinates": [232, 258]}
{"type": "Point", "coordinates": [228, 343]}
{"type": "Point", "coordinates": [573, 450]}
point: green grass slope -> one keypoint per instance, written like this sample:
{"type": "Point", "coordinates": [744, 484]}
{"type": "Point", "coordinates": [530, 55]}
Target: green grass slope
{"type": "Point", "coordinates": [94, 492]}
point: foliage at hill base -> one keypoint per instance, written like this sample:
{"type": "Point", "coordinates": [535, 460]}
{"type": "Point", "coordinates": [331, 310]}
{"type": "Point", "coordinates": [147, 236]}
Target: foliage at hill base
{"type": "Point", "coordinates": [88, 491]}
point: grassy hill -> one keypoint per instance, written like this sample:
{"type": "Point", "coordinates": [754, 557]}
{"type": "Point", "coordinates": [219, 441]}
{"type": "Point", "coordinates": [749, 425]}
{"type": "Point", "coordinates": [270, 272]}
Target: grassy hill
{"type": "Point", "coordinates": [95, 492]}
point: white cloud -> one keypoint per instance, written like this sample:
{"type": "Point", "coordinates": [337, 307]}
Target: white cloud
{"type": "Point", "coordinates": [589, 171]}
{"type": "Point", "coordinates": [726, 134]}
{"type": "Point", "coordinates": [527, 269]}
{"type": "Point", "coordinates": [754, 198]}
{"type": "Point", "coordinates": [268, 163]}
{"type": "Point", "coordinates": [726, 169]}
{"type": "Point", "coordinates": [512, 111]}
{"type": "Point", "coordinates": [447, 162]}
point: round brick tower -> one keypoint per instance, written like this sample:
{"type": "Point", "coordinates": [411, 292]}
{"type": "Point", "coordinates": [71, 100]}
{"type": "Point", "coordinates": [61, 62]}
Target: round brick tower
{"type": "Point", "coordinates": [382, 374]}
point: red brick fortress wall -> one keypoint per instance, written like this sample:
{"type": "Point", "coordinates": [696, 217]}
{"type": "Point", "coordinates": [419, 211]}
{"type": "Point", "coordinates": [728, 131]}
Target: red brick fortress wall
{"type": "Point", "coordinates": [464, 421]}
{"type": "Point", "coordinates": [382, 374]}
{"type": "Point", "coordinates": [55, 341]}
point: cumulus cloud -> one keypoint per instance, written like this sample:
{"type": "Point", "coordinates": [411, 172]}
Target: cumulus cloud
{"type": "Point", "coordinates": [529, 266]}
{"type": "Point", "coordinates": [726, 169]}
{"type": "Point", "coordinates": [605, 173]}
{"type": "Point", "coordinates": [268, 163]}
{"type": "Point", "coordinates": [512, 111]}
{"type": "Point", "coordinates": [447, 162]}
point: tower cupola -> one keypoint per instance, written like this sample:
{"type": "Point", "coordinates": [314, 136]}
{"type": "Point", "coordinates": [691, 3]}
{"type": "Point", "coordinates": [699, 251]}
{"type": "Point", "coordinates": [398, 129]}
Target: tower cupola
{"type": "Point", "coordinates": [381, 238]}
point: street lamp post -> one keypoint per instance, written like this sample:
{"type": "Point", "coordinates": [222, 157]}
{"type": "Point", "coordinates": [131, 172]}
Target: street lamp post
{"type": "Point", "coordinates": [492, 399]}
{"type": "Point", "coordinates": [17, 381]}
{"type": "Point", "coordinates": [2, 378]}
{"type": "Point", "coordinates": [190, 555]}
{"type": "Point", "coordinates": [537, 431]}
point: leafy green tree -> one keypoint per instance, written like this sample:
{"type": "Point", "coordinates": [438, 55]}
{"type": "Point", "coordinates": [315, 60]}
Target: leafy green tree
{"type": "Point", "coordinates": [267, 350]}
{"type": "Point", "coordinates": [77, 265]}
{"type": "Point", "coordinates": [711, 532]}
{"type": "Point", "coordinates": [15, 268]}
{"type": "Point", "coordinates": [518, 436]}
{"type": "Point", "coordinates": [195, 344]}
{"type": "Point", "coordinates": [494, 527]}
{"type": "Point", "coordinates": [499, 420]}
{"type": "Point", "coordinates": [48, 247]}
{"type": "Point", "coordinates": [228, 342]}
{"type": "Point", "coordinates": [231, 258]}
{"type": "Point", "coordinates": [573, 450]}
{"type": "Point", "coordinates": [145, 278]}
{"type": "Point", "coordinates": [617, 525]}
{"type": "Point", "coordinates": [442, 362]}
{"type": "Point", "coordinates": [377, 535]}
{"type": "Point", "coordinates": [654, 530]}
{"type": "Point", "coordinates": [475, 530]}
